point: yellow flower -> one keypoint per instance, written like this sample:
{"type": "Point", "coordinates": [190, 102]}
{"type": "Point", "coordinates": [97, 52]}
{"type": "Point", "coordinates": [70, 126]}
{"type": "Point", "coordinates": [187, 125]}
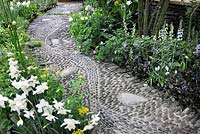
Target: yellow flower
{"type": "Point", "coordinates": [79, 131]}
{"type": "Point", "coordinates": [116, 3]}
{"type": "Point", "coordinates": [58, 73]}
{"type": "Point", "coordinates": [80, 76]}
{"type": "Point", "coordinates": [83, 110]}
{"type": "Point", "coordinates": [43, 75]}
{"type": "Point", "coordinates": [46, 69]}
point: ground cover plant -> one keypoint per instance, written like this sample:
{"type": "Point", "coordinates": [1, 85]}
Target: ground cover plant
{"type": "Point", "coordinates": [32, 100]}
{"type": "Point", "coordinates": [165, 55]}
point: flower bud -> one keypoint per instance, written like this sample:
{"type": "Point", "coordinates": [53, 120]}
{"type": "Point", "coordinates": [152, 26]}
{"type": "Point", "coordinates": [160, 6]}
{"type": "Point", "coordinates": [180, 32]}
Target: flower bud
{"type": "Point", "coordinates": [14, 23]}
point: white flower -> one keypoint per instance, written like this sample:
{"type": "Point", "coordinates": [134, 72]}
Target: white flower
{"type": "Point", "coordinates": [9, 54]}
{"type": "Point", "coordinates": [89, 8]}
{"type": "Point", "coordinates": [18, 4]}
{"type": "Point", "coordinates": [63, 111]}
{"type": "Point", "coordinates": [16, 84]}
{"type": "Point", "coordinates": [41, 105]}
{"type": "Point", "coordinates": [145, 85]}
{"type": "Point", "coordinates": [28, 3]}
{"type": "Point", "coordinates": [59, 106]}
{"type": "Point", "coordinates": [20, 122]}
{"type": "Point", "coordinates": [95, 119]}
{"type": "Point", "coordinates": [49, 117]}
{"type": "Point", "coordinates": [86, 18]}
{"type": "Point", "coordinates": [11, 3]}
{"type": "Point", "coordinates": [94, 122]}
{"type": "Point", "coordinates": [19, 103]}
{"type": "Point", "coordinates": [12, 62]}
{"type": "Point", "coordinates": [14, 72]}
{"type": "Point", "coordinates": [70, 19]}
{"type": "Point", "coordinates": [29, 114]}
{"type": "Point", "coordinates": [163, 32]}
{"type": "Point", "coordinates": [11, 8]}
{"type": "Point", "coordinates": [33, 81]}
{"type": "Point", "coordinates": [128, 2]}
{"type": "Point", "coordinates": [180, 31]}
{"type": "Point", "coordinates": [82, 18]}
{"type": "Point", "coordinates": [48, 109]}
{"type": "Point", "coordinates": [175, 72]}
{"type": "Point", "coordinates": [70, 124]}
{"type": "Point", "coordinates": [41, 88]}
{"type": "Point", "coordinates": [167, 68]}
{"type": "Point", "coordinates": [157, 68]}
{"type": "Point", "coordinates": [167, 73]}
{"type": "Point", "coordinates": [14, 69]}
{"type": "Point", "coordinates": [2, 101]}
{"type": "Point", "coordinates": [23, 84]}
{"type": "Point", "coordinates": [88, 127]}
{"type": "Point", "coordinates": [154, 37]}
{"type": "Point", "coordinates": [171, 32]}
{"type": "Point", "coordinates": [23, 3]}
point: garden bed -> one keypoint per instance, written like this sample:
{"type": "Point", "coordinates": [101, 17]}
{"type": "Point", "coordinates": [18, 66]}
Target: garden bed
{"type": "Point", "coordinates": [167, 57]}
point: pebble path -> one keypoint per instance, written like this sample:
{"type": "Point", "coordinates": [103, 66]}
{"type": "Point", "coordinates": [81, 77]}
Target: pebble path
{"type": "Point", "coordinates": [126, 104]}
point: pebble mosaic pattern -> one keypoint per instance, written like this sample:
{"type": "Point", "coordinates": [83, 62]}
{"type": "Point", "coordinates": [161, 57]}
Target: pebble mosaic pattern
{"type": "Point", "coordinates": [106, 82]}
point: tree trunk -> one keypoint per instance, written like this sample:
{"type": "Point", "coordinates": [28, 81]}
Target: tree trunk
{"type": "Point", "coordinates": [153, 16]}
{"type": "Point", "coordinates": [146, 18]}
{"type": "Point", "coordinates": [159, 21]}
{"type": "Point", "coordinates": [140, 16]}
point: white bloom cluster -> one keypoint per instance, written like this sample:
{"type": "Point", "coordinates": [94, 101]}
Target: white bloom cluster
{"type": "Point", "coordinates": [14, 68]}
{"type": "Point", "coordinates": [166, 33]}
{"type": "Point", "coordinates": [20, 102]}
{"type": "Point", "coordinates": [157, 68]}
{"type": "Point", "coordinates": [163, 32]}
{"type": "Point", "coordinates": [84, 18]}
{"type": "Point", "coordinates": [70, 124]}
{"type": "Point", "coordinates": [180, 34]}
{"type": "Point", "coordinates": [171, 32]}
{"type": "Point", "coordinates": [14, 5]}
{"type": "Point", "coordinates": [70, 19]}
{"type": "Point", "coordinates": [41, 88]}
{"type": "Point", "coordinates": [2, 101]}
{"type": "Point", "coordinates": [89, 8]}
{"type": "Point", "coordinates": [25, 85]}
{"type": "Point", "coordinates": [94, 122]}
{"type": "Point", "coordinates": [47, 109]}
{"type": "Point", "coordinates": [29, 114]}
{"type": "Point", "coordinates": [128, 2]}
{"type": "Point", "coordinates": [167, 69]}
{"type": "Point", "coordinates": [59, 106]}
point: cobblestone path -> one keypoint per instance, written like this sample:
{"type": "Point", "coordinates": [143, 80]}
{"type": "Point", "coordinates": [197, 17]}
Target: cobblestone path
{"type": "Point", "coordinates": [127, 106]}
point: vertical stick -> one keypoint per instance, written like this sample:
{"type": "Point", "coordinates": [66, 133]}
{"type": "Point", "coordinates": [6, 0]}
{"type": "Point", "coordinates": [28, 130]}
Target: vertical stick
{"type": "Point", "coordinates": [146, 17]}
{"type": "Point", "coordinates": [140, 15]}
{"type": "Point", "coordinates": [160, 20]}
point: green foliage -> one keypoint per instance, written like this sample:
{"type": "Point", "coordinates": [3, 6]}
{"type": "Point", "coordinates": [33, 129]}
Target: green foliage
{"type": "Point", "coordinates": [90, 30]}
{"type": "Point", "coordinates": [166, 62]}
{"type": "Point", "coordinates": [35, 44]}
{"type": "Point", "coordinates": [113, 49]}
